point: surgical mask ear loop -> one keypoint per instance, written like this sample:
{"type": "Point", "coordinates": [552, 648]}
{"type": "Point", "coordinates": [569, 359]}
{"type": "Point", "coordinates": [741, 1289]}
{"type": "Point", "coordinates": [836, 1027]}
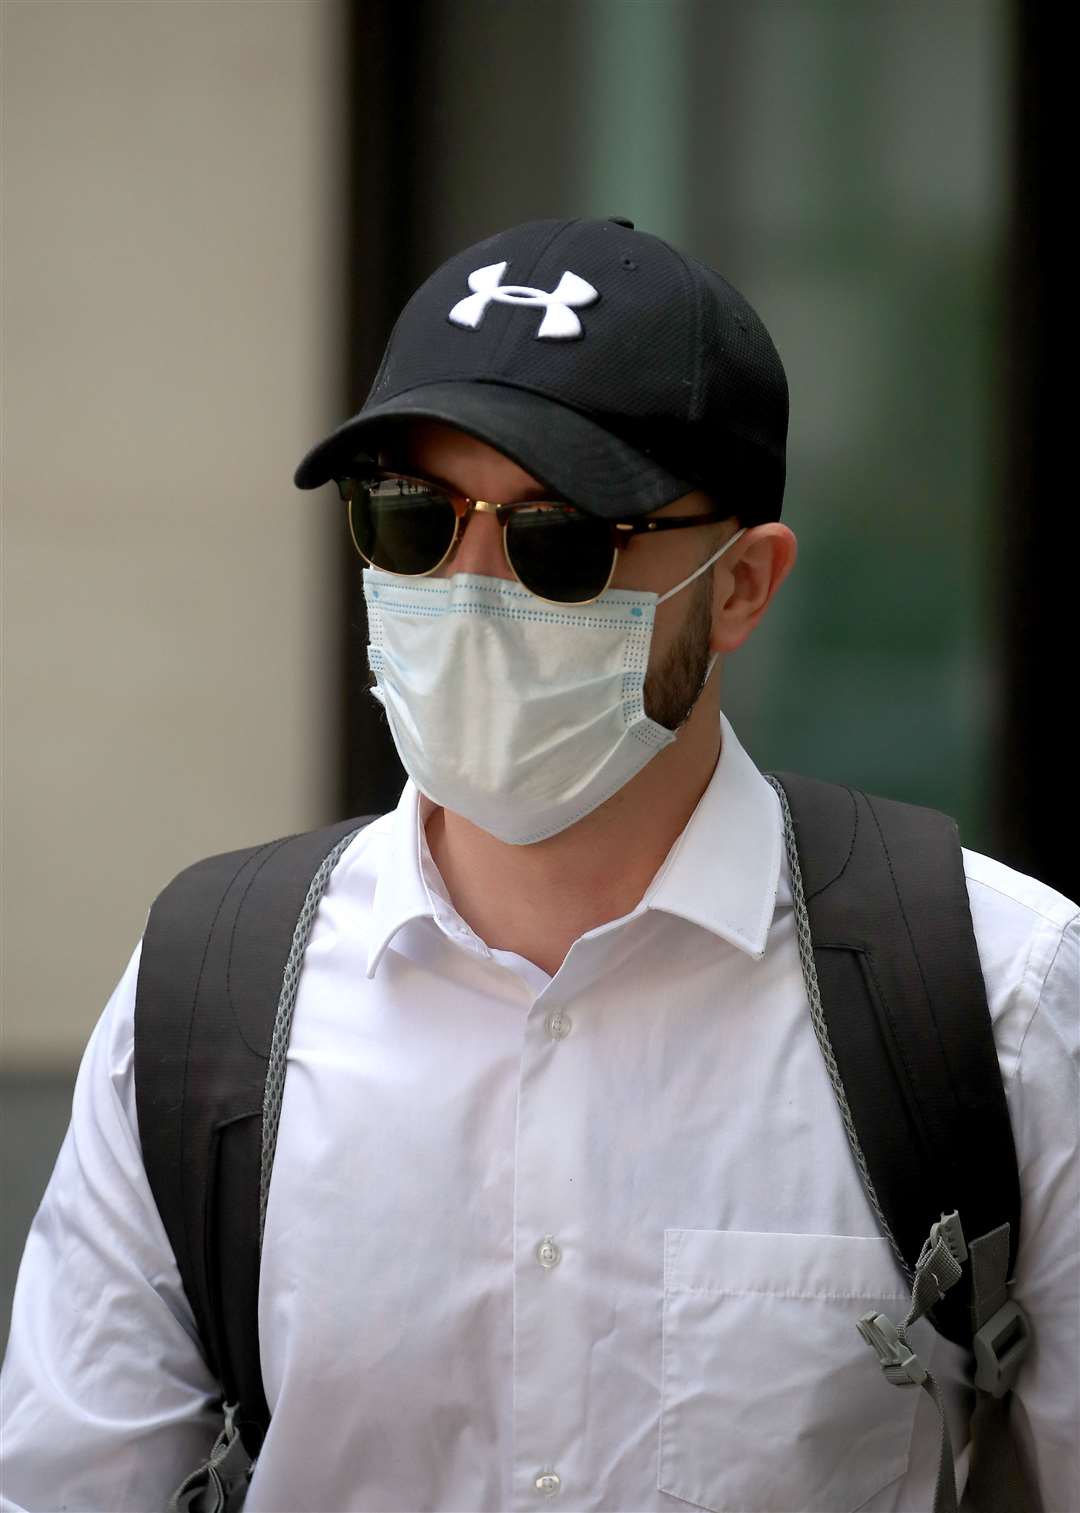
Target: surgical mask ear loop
{"type": "Point", "coordinates": [704, 566]}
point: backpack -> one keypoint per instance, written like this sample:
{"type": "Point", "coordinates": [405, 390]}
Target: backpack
{"type": "Point", "coordinates": [898, 1005]}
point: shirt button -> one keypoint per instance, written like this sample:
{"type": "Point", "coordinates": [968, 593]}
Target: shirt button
{"type": "Point", "coordinates": [549, 1255]}
{"type": "Point", "coordinates": [548, 1484]}
{"type": "Point", "coordinates": [559, 1024]}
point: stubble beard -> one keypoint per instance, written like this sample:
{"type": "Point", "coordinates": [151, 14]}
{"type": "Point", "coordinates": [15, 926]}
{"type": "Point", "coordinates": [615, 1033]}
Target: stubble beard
{"type": "Point", "coordinates": [671, 690]}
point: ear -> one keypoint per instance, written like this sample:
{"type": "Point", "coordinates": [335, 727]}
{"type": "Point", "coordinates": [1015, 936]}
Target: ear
{"type": "Point", "coordinates": [746, 578]}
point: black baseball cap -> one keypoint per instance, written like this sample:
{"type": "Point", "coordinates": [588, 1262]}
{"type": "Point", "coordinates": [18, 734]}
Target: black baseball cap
{"type": "Point", "coordinates": [619, 371]}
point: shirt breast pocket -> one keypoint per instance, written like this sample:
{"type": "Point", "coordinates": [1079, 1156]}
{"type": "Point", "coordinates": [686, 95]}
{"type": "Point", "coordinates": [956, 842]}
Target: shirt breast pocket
{"type": "Point", "coordinates": [771, 1400]}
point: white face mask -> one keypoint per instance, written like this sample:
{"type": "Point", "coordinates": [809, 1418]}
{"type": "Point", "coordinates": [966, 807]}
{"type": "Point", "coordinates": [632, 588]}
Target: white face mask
{"type": "Point", "coordinates": [519, 715]}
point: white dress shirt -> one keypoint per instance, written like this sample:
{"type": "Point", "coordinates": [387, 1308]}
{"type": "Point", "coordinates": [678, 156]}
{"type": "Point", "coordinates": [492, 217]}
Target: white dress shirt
{"type": "Point", "coordinates": [590, 1241]}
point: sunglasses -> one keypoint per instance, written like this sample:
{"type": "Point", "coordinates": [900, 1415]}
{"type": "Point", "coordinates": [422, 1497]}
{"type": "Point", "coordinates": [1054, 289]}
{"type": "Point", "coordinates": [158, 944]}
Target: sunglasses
{"type": "Point", "coordinates": [411, 526]}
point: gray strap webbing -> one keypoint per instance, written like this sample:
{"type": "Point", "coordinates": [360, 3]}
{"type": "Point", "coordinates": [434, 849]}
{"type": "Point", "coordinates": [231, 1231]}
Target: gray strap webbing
{"type": "Point", "coordinates": [989, 1274]}
{"type": "Point", "coordinates": [936, 1270]}
{"type": "Point", "coordinates": [220, 1484]}
{"type": "Point", "coordinates": [997, 1482]}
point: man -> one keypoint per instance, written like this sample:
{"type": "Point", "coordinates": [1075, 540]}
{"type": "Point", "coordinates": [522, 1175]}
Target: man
{"type": "Point", "coordinates": [562, 1209]}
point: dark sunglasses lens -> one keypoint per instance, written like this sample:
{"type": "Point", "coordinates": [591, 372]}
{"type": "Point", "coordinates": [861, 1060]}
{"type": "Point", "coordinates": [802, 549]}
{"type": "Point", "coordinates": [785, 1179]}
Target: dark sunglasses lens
{"type": "Point", "coordinates": [560, 553]}
{"type": "Point", "coordinates": [400, 526]}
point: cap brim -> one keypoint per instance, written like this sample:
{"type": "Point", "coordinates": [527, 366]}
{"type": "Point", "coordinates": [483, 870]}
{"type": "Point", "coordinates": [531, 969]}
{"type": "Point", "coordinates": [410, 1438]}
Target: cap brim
{"type": "Point", "coordinates": [563, 449]}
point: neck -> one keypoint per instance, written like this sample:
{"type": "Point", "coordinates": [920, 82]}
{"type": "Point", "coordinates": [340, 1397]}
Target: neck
{"type": "Point", "coordinates": [537, 900]}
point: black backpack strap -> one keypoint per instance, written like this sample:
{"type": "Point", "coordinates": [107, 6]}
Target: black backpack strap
{"type": "Point", "coordinates": [220, 961]}
{"type": "Point", "coordinates": [899, 1007]}
{"type": "Point", "coordinates": [904, 1002]}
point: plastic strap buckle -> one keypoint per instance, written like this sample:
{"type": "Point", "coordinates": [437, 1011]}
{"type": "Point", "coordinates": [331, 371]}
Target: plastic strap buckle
{"type": "Point", "coordinates": [949, 1229]}
{"type": "Point", "coordinates": [899, 1362]}
{"type": "Point", "coordinates": [1000, 1346]}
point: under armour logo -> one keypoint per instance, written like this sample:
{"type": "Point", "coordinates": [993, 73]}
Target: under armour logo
{"type": "Point", "coordinates": [559, 320]}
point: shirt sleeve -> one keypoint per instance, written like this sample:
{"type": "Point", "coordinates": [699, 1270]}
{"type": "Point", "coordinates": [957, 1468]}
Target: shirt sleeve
{"type": "Point", "coordinates": [107, 1401]}
{"type": "Point", "coordinates": [1044, 1103]}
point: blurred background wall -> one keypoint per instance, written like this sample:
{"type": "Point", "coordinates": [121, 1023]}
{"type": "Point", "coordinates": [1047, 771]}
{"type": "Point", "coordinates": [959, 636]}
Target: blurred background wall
{"type": "Point", "coordinates": [172, 277]}
{"type": "Point", "coordinates": [211, 214]}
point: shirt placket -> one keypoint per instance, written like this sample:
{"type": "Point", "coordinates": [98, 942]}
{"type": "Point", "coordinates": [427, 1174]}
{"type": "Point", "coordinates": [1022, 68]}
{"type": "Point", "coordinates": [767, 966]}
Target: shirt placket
{"type": "Point", "coordinates": [551, 1240]}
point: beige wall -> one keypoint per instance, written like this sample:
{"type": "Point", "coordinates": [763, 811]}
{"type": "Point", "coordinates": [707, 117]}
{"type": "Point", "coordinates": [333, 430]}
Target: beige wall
{"type": "Point", "coordinates": [170, 290]}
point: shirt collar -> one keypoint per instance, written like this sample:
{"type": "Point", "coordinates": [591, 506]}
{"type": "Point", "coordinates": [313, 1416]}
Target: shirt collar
{"type": "Point", "coordinates": [407, 885]}
{"type": "Point", "coordinates": [727, 869]}
{"type": "Point", "coordinates": [723, 873]}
